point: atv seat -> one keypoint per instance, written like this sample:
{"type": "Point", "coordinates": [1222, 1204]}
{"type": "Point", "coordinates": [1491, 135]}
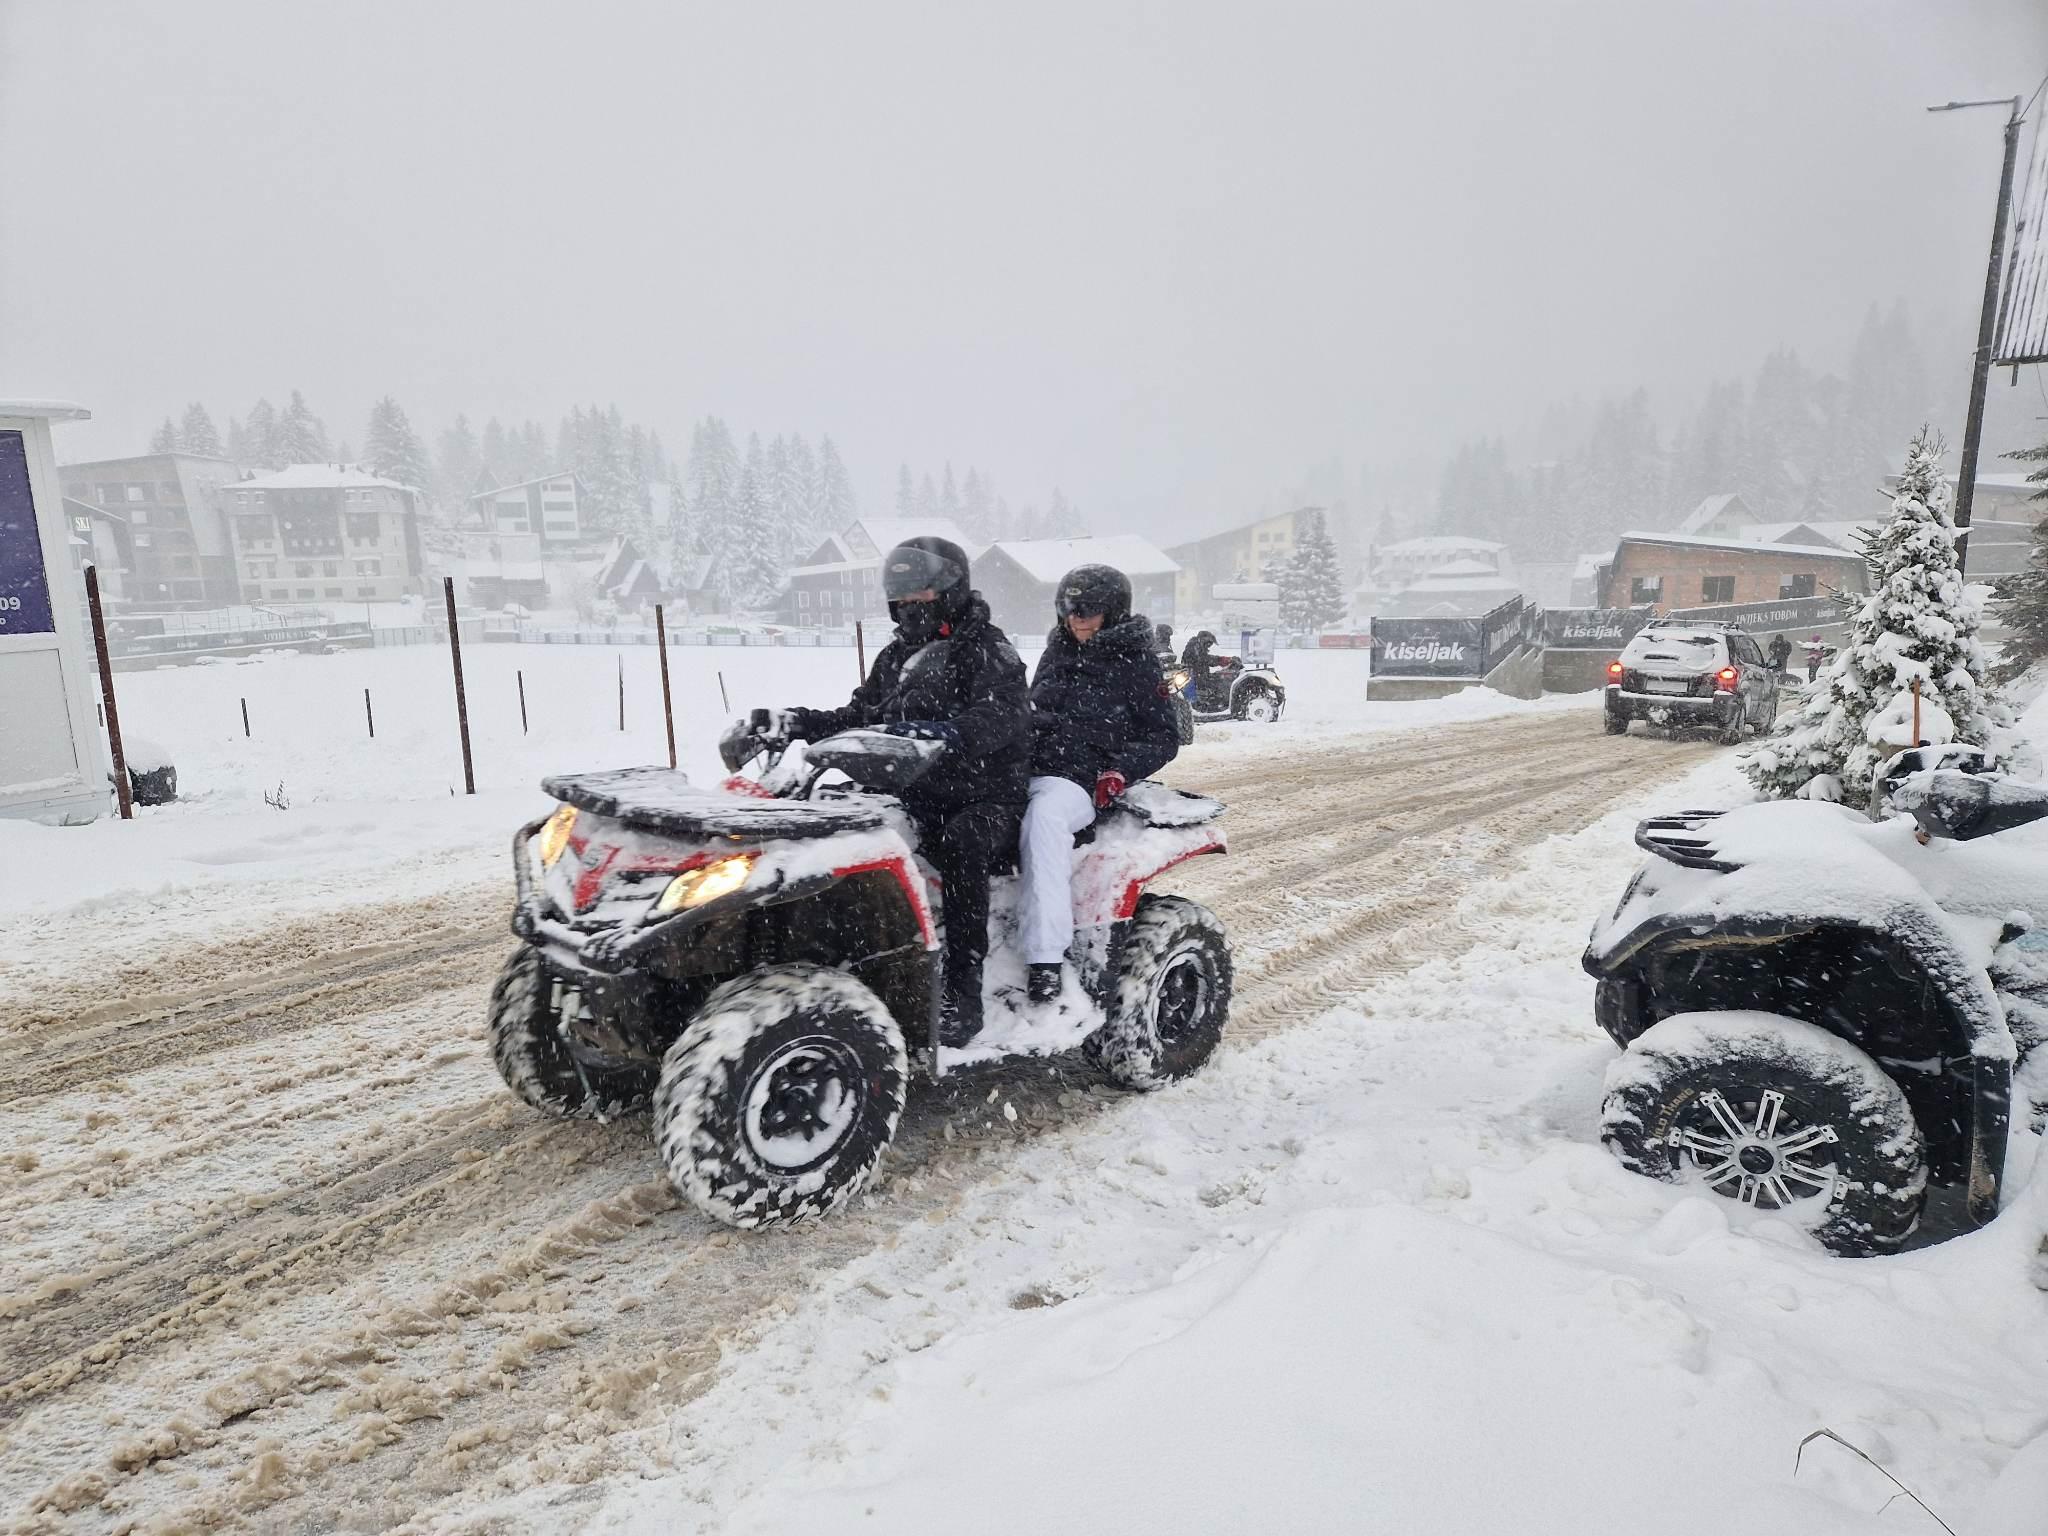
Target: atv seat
{"type": "Point", "coordinates": [1951, 803]}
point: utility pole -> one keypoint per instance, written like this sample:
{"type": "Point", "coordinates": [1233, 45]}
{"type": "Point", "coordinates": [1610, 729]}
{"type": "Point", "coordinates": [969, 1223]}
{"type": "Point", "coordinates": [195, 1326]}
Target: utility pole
{"type": "Point", "coordinates": [1980, 368]}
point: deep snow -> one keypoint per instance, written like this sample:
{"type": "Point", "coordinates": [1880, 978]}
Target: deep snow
{"type": "Point", "coordinates": [1375, 1273]}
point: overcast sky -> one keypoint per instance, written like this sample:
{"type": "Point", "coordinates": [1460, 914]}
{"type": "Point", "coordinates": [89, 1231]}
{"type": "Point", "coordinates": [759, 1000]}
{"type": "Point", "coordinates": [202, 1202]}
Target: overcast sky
{"type": "Point", "coordinates": [1163, 256]}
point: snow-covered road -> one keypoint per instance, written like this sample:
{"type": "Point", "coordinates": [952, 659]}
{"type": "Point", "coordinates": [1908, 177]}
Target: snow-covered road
{"type": "Point", "coordinates": [283, 1253]}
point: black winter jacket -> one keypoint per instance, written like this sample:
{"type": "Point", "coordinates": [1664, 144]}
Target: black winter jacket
{"type": "Point", "coordinates": [970, 679]}
{"type": "Point", "coordinates": [1101, 706]}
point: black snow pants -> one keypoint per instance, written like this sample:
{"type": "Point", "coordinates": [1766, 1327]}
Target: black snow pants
{"type": "Point", "coordinates": [964, 846]}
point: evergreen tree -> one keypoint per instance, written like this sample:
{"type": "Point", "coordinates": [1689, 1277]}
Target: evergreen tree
{"type": "Point", "coordinates": [1062, 519]}
{"type": "Point", "coordinates": [165, 438]}
{"type": "Point", "coordinates": [927, 503]}
{"type": "Point", "coordinates": [712, 487]}
{"type": "Point", "coordinates": [534, 460]}
{"type": "Point", "coordinates": [1915, 622]}
{"type": "Point", "coordinates": [301, 437]}
{"type": "Point", "coordinates": [457, 463]}
{"type": "Point", "coordinates": [263, 445]}
{"type": "Point", "coordinates": [196, 433]}
{"type": "Point", "coordinates": [808, 519]}
{"type": "Point", "coordinates": [1313, 581]}
{"type": "Point", "coordinates": [836, 488]}
{"type": "Point", "coordinates": [754, 571]}
{"type": "Point", "coordinates": [906, 492]}
{"type": "Point", "coordinates": [392, 449]}
{"type": "Point", "coordinates": [2022, 597]}
{"type": "Point", "coordinates": [949, 496]}
{"type": "Point", "coordinates": [977, 507]}
{"type": "Point", "coordinates": [344, 452]}
{"type": "Point", "coordinates": [495, 448]}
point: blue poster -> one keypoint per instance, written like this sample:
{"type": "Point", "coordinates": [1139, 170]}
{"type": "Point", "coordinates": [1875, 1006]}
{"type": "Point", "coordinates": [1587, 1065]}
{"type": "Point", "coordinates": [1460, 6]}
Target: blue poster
{"type": "Point", "coordinates": [24, 585]}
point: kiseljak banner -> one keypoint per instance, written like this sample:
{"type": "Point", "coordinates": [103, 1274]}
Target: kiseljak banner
{"type": "Point", "coordinates": [1591, 629]}
{"type": "Point", "coordinates": [1436, 648]}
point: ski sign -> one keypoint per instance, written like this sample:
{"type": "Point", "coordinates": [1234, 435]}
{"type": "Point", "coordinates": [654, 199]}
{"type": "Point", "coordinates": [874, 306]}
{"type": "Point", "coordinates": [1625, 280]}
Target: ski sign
{"type": "Point", "coordinates": [24, 582]}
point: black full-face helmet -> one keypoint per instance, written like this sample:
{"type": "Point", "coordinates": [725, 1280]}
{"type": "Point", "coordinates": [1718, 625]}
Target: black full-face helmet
{"type": "Point", "coordinates": [1094, 591]}
{"type": "Point", "coordinates": [926, 562]}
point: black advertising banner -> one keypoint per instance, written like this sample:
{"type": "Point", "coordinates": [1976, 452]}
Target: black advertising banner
{"type": "Point", "coordinates": [1502, 630]}
{"type": "Point", "coordinates": [1445, 648]}
{"type": "Point", "coordinates": [1788, 614]}
{"type": "Point", "coordinates": [1591, 629]}
{"type": "Point", "coordinates": [24, 584]}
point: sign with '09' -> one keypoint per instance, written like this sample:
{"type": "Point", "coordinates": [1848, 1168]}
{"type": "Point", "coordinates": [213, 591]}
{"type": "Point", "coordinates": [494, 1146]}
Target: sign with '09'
{"type": "Point", "coordinates": [24, 583]}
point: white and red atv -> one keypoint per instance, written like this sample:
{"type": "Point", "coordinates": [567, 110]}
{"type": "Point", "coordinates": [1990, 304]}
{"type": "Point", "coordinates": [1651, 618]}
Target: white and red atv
{"type": "Point", "coordinates": [760, 963]}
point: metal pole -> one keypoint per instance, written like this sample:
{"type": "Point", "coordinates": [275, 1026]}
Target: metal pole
{"type": "Point", "coordinates": [99, 645]}
{"type": "Point", "coordinates": [369, 715]}
{"type": "Point", "coordinates": [622, 690]}
{"type": "Point", "coordinates": [668, 714]}
{"type": "Point", "coordinates": [245, 717]}
{"type": "Point", "coordinates": [724, 698]}
{"type": "Point", "coordinates": [1980, 368]}
{"type": "Point", "coordinates": [521, 675]}
{"type": "Point", "coordinates": [860, 650]}
{"type": "Point", "coordinates": [461, 698]}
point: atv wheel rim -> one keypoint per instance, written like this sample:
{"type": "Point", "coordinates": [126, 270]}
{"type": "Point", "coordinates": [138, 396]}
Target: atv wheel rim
{"type": "Point", "coordinates": [801, 1104]}
{"type": "Point", "coordinates": [1180, 998]}
{"type": "Point", "coordinates": [1760, 1152]}
{"type": "Point", "coordinates": [1260, 709]}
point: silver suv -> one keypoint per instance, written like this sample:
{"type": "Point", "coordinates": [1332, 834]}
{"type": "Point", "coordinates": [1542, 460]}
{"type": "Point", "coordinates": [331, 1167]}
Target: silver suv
{"type": "Point", "coordinates": [1686, 673]}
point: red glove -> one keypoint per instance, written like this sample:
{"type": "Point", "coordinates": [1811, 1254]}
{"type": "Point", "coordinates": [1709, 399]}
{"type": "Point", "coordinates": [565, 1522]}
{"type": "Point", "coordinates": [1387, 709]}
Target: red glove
{"type": "Point", "coordinates": [1108, 785]}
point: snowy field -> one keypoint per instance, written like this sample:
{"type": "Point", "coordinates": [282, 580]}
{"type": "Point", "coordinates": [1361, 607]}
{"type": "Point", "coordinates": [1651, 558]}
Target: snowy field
{"type": "Point", "coordinates": [284, 1255]}
{"type": "Point", "coordinates": [383, 820]}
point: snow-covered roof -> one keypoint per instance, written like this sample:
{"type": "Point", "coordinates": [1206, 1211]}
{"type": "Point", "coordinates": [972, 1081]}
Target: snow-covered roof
{"type": "Point", "coordinates": [1709, 509]}
{"type": "Point", "coordinates": [48, 410]}
{"type": "Point", "coordinates": [1841, 533]}
{"type": "Point", "coordinates": [1740, 546]}
{"type": "Point", "coordinates": [1456, 568]}
{"type": "Point", "coordinates": [316, 477]}
{"type": "Point", "coordinates": [510, 570]}
{"type": "Point", "coordinates": [885, 533]}
{"type": "Point", "coordinates": [1048, 560]}
{"type": "Point", "coordinates": [520, 485]}
{"type": "Point", "coordinates": [1438, 544]}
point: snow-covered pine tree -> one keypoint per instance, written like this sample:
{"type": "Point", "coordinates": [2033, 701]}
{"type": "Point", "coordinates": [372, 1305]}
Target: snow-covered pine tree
{"type": "Point", "coordinates": [949, 496]}
{"type": "Point", "coordinates": [755, 570]}
{"type": "Point", "coordinates": [906, 492]}
{"type": "Point", "coordinates": [1063, 519]}
{"type": "Point", "coordinates": [976, 506]}
{"type": "Point", "coordinates": [456, 466]}
{"type": "Point", "coordinates": [392, 449]}
{"type": "Point", "coordinates": [196, 433]}
{"type": "Point", "coordinates": [806, 497]}
{"type": "Point", "coordinates": [165, 438]}
{"type": "Point", "coordinates": [301, 437]}
{"type": "Point", "coordinates": [495, 447]}
{"type": "Point", "coordinates": [1285, 571]}
{"type": "Point", "coordinates": [265, 447]}
{"type": "Point", "coordinates": [1317, 576]}
{"type": "Point", "coordinates": [1915, 622]}
{"type": "Point", "coordinates": [713, 484]}
{"type": "Point", "coordinates": [841, 508]}
{"type": "Point", "coordinates": [926, 504]}
{"type": "Point", "coordinates": [2022, 597]}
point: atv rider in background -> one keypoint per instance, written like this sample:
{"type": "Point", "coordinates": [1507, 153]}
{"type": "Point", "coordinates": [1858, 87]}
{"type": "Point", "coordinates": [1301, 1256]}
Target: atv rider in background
{"type": "Point", "coordinates": [1100, 720]}
{"type": "Point", "coordinates": [1200, 660]}
{"type": "Point", "coordinates": [949, 676]}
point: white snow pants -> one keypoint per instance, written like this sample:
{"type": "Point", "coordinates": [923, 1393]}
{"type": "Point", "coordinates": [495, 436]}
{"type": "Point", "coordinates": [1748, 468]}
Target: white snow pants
{"type": "Point", "coordinates": [1059, 808]}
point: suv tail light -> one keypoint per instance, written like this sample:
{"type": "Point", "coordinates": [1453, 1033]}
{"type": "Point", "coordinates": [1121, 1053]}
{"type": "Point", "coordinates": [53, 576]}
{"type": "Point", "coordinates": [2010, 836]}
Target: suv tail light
{"type": "Point", "coordinates": [1727, 677]}
{"type": "Point", "coordinates": [1614, 670]}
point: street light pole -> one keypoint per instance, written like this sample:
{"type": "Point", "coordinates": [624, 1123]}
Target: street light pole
{"type": "Point", "coordinates": [1980, 368]}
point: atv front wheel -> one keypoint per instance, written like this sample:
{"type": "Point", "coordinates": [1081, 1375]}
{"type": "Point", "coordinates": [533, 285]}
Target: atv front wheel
{"type": "Point", "coordinates": [533, 1058]}
{"type": "Point", "coordinates": [778, 1100]}
{"type": "Point", "coordinates": [1258, 706]}
{"type": "Point", "coordinates": [1172, 995]}
{"type": "Point", "coordinates": [1183, 720]}
{"type": "Point", "coordinates": [1776, 1114]}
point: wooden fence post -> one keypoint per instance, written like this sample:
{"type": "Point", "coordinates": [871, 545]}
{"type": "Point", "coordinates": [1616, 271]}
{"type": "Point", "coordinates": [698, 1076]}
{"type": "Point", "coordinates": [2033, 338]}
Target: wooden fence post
{"type": "Point", "coordinates": [668, 714]}
{"type": "Point", "coordinates": [99, 645]}
{"type": "Point", "coordinates": [461, 699]}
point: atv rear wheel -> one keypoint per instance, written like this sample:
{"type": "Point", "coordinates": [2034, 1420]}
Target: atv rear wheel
{"type": "Point", "coordinates": [778, 1100]}
{"type": "Point", "coordinates": [526, 1043]}
{"type": "Point", "coordinates": [1172, 995]}
{"type": "Point", "coordinates": [1776, 1114]}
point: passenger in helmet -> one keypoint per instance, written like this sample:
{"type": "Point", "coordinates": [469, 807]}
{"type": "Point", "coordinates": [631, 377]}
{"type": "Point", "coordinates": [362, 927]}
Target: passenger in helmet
{"type": "Point", "coordinates": [950, 676]}
{"type": "Point", "coordinates": [1100, 720]}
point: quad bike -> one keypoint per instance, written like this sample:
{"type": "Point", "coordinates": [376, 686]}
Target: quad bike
{"type": "Point", "coordinates": [1822, 1013]}
{"type": "Point", "coordinates": [1234, 690]}
{"type": "Point", "coordinates": [760, 964]}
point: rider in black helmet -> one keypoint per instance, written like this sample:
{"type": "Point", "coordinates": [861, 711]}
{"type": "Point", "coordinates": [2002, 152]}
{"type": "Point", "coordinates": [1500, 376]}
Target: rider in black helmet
{"type": "Point", "coordinates": [949, 676]}
{"type": "Point", "coordinates": [1100, 720]}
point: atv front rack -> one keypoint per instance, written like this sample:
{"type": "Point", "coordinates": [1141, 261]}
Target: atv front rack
{"type": "Point", "coordinates": [1680, 839]}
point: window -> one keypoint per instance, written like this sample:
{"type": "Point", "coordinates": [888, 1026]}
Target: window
{"type": "Point", "coordinates": [280, 593]}
{"type": "Point", "coordinates": [1796, 586]}
{"type": "Point", "coordinates": [302, 571]}
{"type": "Point", "coordinates": [135, 492]}
{"type": "Point", "coordinates": [330, 567]}
{"type": "Point", "coordinates": [334, 591]}
{"type": "Point", "coordinates": [1717, 589]}
{"type": "Point", "coordinates": [1645, 589]}
{"type": "Point", "coordinates": [106, 494]}
{"type": "Point", "coordinates": [803, 598]}
{"type": "Point", "coordinates": [142, 541]}
{"type": "Point", "coordinates": [366, 591]}
{"type": "Point", "coordinates": [369, 568]}
{"type": "Point", "coordinates": [140, 517]}
{"type": "Point", "coordinates": [306, 592]}
{"type": "Point", "coordinates": [243, 497]}
{"type": "Point", "coordinates": [363, 527]}
{"type": "Point", "coordinates": [258, 569]}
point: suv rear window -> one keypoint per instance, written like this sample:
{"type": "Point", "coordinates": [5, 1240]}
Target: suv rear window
{"type": "Point", "coordinates": [1700, 648]}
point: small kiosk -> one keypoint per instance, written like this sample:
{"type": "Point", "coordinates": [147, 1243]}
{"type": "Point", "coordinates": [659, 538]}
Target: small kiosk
{"type": "Point", "coordinates": [53, 753]}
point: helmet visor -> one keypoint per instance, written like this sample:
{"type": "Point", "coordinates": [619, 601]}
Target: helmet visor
{"type": "Point", "coordinates": [907, 571]}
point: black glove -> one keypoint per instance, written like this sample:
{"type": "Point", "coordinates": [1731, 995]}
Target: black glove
{"type": "Point", "coordinates": [940, 731]}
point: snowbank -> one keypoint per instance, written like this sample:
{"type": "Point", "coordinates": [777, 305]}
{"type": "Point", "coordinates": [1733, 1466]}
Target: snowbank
{"type": "Point", "coordinates": [1372, 1273]}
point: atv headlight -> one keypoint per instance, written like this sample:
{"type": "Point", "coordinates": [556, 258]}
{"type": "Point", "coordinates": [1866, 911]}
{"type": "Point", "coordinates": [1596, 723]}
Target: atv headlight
{"type": "Point", "coordinates": [554, 836]}
{"type": "Point", "coordinates": [1178, 678]}
{"type": "Point", "coordinates": [708, 882]}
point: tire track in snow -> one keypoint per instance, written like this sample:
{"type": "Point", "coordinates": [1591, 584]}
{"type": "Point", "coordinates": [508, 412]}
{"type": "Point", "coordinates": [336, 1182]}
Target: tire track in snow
{"type": "Point", "coordinates": [1377, 895]}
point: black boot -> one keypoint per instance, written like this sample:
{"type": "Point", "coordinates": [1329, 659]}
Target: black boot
{"type": "Point", "coordinates": [1042, 982]}
{"type": "Point", "coordinates": [960, 1014]}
